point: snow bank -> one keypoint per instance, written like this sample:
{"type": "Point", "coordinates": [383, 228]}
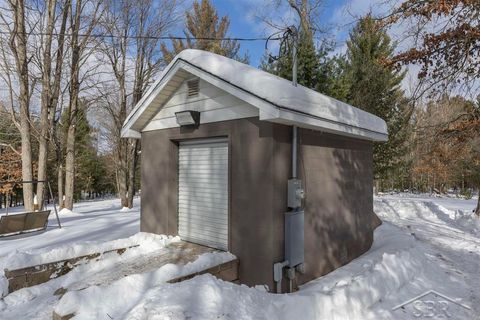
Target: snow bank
{"type": "Point", "coordinates": [124, 294]}
{"type": "Point", "coordinates": [423, 244]}
{"type": "Point", "coordinates": [350, 292]}
{"type": "Point", "coordinates": [147, 242]}
{"type": "Point", "coordinates": [204, 297]}
{"type": "Point", "coordinates": [399, 266]}
{"type": "Point", "coordinates": [403, 211]}
{"type": "Point", "coordinates": [3, 284]}
{"type": "Point", "coordinates": [392, 262]}
{"type": "Point", "coordinates": [66, 211]}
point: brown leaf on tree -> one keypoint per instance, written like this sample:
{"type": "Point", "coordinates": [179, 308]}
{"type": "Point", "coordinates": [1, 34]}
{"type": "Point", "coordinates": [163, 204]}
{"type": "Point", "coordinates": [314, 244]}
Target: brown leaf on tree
{"type": "Point", "coordinates": [10, 169]}
{"type": "Point", "coordinates": [446, 40]}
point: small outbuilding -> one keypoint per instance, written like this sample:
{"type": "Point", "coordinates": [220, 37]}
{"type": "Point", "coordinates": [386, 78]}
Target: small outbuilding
{"type": "Point", "coordinates": [238, 159]}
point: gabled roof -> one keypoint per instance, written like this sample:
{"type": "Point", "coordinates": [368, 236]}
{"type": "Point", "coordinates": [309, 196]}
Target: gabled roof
{"type": "Point", "coordinates": [276, 98]}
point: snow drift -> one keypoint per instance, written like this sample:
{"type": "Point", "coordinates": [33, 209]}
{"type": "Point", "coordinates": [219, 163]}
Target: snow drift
{"type": "Point", "coordinates": [422, 245]}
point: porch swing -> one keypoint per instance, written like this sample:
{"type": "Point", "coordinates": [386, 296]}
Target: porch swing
{"type": "Point", "coordinates": [27, 222]}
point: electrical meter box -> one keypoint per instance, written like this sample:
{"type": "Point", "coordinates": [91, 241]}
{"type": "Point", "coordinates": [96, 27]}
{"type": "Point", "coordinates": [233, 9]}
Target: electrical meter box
{"type": "Point", "coordinates": [294, 238]}
{"type": "Point", "coordinates": [295, 193]}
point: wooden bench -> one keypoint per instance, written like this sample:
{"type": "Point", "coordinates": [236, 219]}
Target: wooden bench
{"type": "Point", "coordinates": [19, 223]}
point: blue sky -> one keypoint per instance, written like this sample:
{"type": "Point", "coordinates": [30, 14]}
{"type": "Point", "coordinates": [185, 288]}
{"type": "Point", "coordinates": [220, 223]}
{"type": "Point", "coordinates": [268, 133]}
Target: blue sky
{"type": "Point", "coordinates": [244, 24]}
{"type": "Point", "coordinates": [337, 16]}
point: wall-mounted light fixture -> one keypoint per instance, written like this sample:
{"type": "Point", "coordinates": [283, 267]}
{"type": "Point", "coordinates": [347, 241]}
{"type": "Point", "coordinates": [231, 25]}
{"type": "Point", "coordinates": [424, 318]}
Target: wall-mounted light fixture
{"type": "Point", "coordinates": [188, 118]}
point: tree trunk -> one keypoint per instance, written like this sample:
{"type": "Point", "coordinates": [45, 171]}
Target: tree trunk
{"type": "Point", "coordinates": [18, 45]}
{"type": "Point", "coordinates": [70, 160]}
{"type": "Point", "coordinates": [61, 203]}
{"type": "Point", "coordinates": [73, 108]}
{"type": "Point", "coordinates": [132, 171]}
{"type": "Point", "coordinates": [27, 170]}
{"type": "Point", "coordinates": [122, 173]}
{"type": "Point", "coordinates": [45, 102]}
{"type": "Point", "coordinates": [477, 210]}
{"type": "Point", "coordinates": [50, 91]}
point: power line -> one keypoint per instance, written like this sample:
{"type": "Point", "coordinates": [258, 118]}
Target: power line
{"type": "Point", "coordinates": [111, 36]}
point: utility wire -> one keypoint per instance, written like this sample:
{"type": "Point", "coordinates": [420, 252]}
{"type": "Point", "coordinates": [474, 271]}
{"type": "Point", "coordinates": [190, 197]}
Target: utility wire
{"type": "Point", "coordinates": [287, 35]}
{"type": "Point", "coordinates": [111, 36]}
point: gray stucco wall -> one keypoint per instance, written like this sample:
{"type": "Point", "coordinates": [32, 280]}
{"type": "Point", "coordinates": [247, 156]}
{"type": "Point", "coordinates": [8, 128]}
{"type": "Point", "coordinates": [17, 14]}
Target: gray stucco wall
{"type": "Point", "coordinates": [339, 209]}
{"type": "Point", "coordinates": [339, 219]}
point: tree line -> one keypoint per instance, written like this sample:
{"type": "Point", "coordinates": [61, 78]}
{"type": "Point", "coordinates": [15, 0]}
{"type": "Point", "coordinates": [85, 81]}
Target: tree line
{"type": "Point", "coordinates": [73, 70]}
{"type": "Point", "coordinates": [434, 129]}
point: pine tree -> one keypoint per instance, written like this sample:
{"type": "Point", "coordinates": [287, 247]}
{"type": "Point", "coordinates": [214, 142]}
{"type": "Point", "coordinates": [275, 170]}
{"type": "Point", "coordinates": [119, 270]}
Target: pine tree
{"type": "Point", "coordinates": [375, 88]}
{"type": "Point", "coordinates": [333, 78]}
{"type": "Point", "coordinates": [90, 167]}
{"type": "Point", "coordinates": [308, 62]}
{"type": "Point", "coordinates": [202, 24]}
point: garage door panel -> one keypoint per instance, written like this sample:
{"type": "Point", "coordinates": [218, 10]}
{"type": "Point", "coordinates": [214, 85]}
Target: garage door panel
{"type": "Point", "coordinates": [203, 209]}
{"type": "Point", "coordinates": [217, 222]}
{"type": "Point", "coordinates": [202, 195]}
{"type": "Point", "coordinates": [206, 170]}
{"type": "Point", "coordinates": [211, 175]}
{"type": "Point", "coordinates": [203, 145]}
{"type": "Point", "coordinates": [207, 227]}
{"type": "Point", "coordinates": [202, 169]}
{"type": "Point", "coordinates": [203, 192]}
{"type": "Point", "coordinates": [203, 161]}
{"type": "Point", "coordinates": [200, 182]}
{"type": "Point", "coordinates": [216, 208]}
{"type": "Point", "coordinates": [200, 224]}
{"type": "Point", "coordinates": [213, 239]}
{"type": "Point", "coordinates": [204, 198]}
{"type": "Point", "coordinates": [204, 155]}
{"type": "Point", "coordinates": [214, 242]}
{"type": "Point", "coordinates": [197, 184]}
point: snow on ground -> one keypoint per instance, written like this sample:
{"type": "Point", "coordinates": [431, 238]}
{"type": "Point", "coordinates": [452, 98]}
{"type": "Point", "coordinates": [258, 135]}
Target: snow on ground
{"type": "Point", "coordinates": [124, 294]}
{"type": "Point", "coordinates": [90, 221]}
{"type": "Point", "coordinates": [424, 244]}
{"type": "Point", "coordinates": [37, 302]}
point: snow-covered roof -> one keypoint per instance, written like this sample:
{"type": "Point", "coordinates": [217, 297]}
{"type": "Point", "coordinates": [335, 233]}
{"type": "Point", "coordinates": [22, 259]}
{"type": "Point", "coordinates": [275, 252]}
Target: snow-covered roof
{"type": "Point", "coordinates": [276, 98]}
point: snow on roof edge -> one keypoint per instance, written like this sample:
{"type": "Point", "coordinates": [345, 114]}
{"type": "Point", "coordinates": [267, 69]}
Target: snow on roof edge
{"type": "Point", "coordinates": [268, 87]}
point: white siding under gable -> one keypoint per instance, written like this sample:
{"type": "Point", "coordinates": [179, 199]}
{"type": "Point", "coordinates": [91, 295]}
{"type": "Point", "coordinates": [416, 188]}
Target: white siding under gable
{"type": "Point", "coordinates": [213, 104]}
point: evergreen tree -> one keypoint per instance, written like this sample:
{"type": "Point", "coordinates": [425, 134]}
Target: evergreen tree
{"type": "Point", "coordinates": [333, 77]}
{"type": "Point", "coordinates": [317, 70]}
{"type": "Point", "coordinates": [90, 167]}
{"type": "Point", "coordinates": [202, 24]}
{"type": "Point", "coordinates": [308, 62]}
{"type": "Point", "coordinates": [375, 88]}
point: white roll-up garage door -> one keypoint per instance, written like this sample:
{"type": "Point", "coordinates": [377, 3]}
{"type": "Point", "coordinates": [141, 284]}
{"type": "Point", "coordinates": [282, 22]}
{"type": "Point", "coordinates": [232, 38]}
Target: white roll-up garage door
{"type": "Point", "coordinates": [203, 192]}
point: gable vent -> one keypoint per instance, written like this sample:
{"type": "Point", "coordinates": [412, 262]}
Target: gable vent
{"type": "Point", "coordinates": [193, 88]}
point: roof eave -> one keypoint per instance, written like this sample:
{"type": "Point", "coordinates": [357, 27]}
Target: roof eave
{"type": "Point", "coordinates": [315, 123]}
{"type": "Point", "coordinates": [129, 133]}
{"type": "Point", "coordinates": [267, 111]}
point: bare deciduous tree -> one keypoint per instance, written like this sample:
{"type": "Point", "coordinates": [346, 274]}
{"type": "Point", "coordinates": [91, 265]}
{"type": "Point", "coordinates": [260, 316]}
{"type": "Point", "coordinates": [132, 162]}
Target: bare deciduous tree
{"type": "Point", "coordinates": [84, 16]}
{"type": "Point", "coordinates": [132, 52]}
{"type": "Point", "coordinates": [50, 84]}
{"type": "Point", "coordinates": [18, 50]}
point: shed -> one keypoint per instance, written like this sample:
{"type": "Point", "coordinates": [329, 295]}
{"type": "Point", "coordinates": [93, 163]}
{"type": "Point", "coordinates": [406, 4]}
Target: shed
{"type": "Point", "coordinates": [217, 163]}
